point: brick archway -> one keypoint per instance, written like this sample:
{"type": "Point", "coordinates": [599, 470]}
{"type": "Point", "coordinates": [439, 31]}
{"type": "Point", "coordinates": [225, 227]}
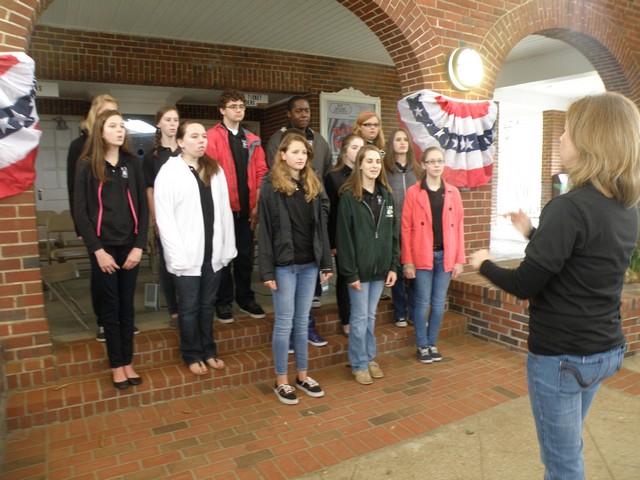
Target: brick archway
{"type": "Point", "coordinates": [584, 26]}
{"type": "Point", "coordinates": [406, 33]}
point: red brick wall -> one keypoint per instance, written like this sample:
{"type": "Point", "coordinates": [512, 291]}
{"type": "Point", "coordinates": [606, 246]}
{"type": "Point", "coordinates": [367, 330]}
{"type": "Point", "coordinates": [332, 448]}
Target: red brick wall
{"type": "Point", "coordinates": [417, 34]}
{"type": "Point", "coordinates": [502, 318]}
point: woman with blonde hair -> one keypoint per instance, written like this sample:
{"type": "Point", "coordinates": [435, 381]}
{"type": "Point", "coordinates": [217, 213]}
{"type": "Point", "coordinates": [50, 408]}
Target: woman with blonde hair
{"type": "Point", "coordinates": [573, 273]}
{"type": "Point", "coordinates": [368, 126]}
{"type": "Point", "coordinates": [293, 245]}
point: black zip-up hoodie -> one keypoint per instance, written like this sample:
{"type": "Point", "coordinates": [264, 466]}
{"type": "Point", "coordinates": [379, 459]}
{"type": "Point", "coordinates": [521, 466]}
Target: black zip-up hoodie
{"type": "Point", "coordinates": [366, 251]}
{"type": "Point", "coordinates": [114, 212]}
{"type": "Point", "coordinates": [275, 242]}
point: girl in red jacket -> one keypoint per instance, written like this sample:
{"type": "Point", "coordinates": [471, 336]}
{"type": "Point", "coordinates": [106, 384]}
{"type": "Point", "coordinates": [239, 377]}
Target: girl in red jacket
{"type": "Point", "coordinates": [432, 248]}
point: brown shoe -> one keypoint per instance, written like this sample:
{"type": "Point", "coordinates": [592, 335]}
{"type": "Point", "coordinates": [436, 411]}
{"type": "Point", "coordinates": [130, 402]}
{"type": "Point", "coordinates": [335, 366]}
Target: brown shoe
{"type": "Point", "coordinates": [375, 370]}
{"type": "Point", "coordinates": [363, 377]}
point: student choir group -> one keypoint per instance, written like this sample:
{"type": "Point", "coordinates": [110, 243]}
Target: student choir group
{"type": "Point", "coordinates": [205, 192]}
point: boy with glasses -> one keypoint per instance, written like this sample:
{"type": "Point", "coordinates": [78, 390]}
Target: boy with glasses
{"type": "Point", "coordinates": [240, 154]}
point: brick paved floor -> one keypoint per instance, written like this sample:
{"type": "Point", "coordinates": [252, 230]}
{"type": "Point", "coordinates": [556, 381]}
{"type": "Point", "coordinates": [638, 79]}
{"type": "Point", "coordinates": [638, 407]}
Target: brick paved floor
{"type": "Point", "coordinates": [245, 433]}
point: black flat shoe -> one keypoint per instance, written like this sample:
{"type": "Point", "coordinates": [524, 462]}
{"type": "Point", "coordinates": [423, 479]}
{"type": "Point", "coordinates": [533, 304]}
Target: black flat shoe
{"type": "Point", "coordinates": [135, 381]}
{"type": "Point", "coordinates": [122, 385]}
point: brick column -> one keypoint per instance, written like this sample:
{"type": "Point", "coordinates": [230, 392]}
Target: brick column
{"type": "Point", "coordinates": [552, 128]}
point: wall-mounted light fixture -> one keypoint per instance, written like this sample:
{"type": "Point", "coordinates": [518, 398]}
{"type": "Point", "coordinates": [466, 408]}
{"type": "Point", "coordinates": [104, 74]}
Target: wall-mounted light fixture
{"type": "Point", "coordinates": [464, 68]}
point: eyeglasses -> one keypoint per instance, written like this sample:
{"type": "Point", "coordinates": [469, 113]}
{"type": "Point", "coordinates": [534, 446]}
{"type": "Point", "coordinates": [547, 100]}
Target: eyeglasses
{"type": "Point", "coordinates": [433, 162]}
{"type": "Point", "coordinates": [371, 125]}
{"type": "Point", "coordinates": [236, 107]}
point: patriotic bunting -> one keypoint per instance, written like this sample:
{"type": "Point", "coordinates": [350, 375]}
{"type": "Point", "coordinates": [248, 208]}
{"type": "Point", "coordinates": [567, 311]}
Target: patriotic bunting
{"type": "Point", "coordinates": [465, 130]}
{"type": "Point", "coordinates": [19, 133]}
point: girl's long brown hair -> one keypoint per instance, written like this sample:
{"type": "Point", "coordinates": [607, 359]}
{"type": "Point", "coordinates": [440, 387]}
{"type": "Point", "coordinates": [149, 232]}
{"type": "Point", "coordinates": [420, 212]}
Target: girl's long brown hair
{"type": "Point", "coordinates": [354, 182]}
{"type": "Point", "coordinates": [95, 149]}
{"type": "Point", "coordinates": [346, 142]}
{"type": "Point", "coordinates": [281, 177]}
{"type": "Point", "coordinates": [207, 166]}
{"type": "Point", "coordinates": [391, 156]}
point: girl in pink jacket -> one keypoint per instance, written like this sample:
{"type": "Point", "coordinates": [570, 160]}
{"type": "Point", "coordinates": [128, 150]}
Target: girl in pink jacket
{"type": "Point", "coordinates": [432, 248]}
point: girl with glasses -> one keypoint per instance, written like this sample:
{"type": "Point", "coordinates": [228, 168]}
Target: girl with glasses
{"type": "Point", "coordinates": [368, 126]}
{"type": "Point", "coordinates": [432, 248]}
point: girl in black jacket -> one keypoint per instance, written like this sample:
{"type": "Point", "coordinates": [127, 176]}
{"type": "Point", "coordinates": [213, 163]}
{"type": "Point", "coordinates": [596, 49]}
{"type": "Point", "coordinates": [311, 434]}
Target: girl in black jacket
{"type": "Point", "coordinates": [351, 145]}
{"type": "Point", "coordinates": [110, 207]}
{"type": "Point", "coordinates": [293, 245]}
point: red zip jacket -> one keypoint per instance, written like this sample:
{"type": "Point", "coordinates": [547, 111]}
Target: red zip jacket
{"type": "Point", "coordinates": [218, 148]}
{"type": "Point", "coordinates": [417, 231]}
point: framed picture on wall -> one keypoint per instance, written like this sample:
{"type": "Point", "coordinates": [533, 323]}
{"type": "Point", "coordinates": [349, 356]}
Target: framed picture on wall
{"type": "Point", "coordinates": [338, 113]}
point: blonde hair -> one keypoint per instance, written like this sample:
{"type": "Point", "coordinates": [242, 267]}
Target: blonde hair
{"type": "Point", "coordinates": [354, 182]}
{"type": "Point", "coordinates": [605, 129]}
{"type": "Point", "coordinates": [281, 177]}
{"type": "Point", "coordinates": [362, 118]}
{"type": "Point", "coordinates": [96, 104]}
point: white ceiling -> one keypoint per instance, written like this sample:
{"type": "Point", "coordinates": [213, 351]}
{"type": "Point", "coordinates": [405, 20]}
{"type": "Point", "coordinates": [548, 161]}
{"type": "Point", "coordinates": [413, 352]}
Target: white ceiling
{"type": "Point", "coordinates": [539, 72]}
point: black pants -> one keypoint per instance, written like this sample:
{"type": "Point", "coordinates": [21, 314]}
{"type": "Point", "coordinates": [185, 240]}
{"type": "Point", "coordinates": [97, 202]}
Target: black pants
{"type": "Point", "coordinates": [116, 310]}
{"type": "Point", "coordinates": [242, 268]}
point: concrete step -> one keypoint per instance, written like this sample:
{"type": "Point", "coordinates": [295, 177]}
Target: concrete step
{"type": "Point", "coordinates": [84, 388]}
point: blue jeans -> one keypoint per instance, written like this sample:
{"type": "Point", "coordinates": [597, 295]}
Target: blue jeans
{"type": "Point", "coordinates": [430, 288]}
{"type": "Point", "coordinates": [115, 306]}
{"type": "Point", "coordinates": [561, 389]}
{"type": "Point", "coordinates": [362, 338]}
{"type": "Point", "coordinates": [196, 303]}
{"type": "Point", "coordinates": [242, 267]}
{"type": "Point", "coordinates": [402, 297]}
{"type": "Point", "coordinates": [291, 306]}
{"type": "Point", "coordinates": [166, 281]}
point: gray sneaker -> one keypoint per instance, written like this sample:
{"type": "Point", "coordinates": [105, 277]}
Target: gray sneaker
{"type": "Point", "coordinates": [433, 351]}
{"type": "Point", "coordinates": [174, 323]}
{"type": "Point", "coordinates": [423, 355]}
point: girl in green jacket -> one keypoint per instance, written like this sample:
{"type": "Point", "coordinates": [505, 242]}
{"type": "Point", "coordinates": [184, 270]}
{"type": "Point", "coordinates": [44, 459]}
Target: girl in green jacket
{"type": "Point", "coordinates": [368, 251]}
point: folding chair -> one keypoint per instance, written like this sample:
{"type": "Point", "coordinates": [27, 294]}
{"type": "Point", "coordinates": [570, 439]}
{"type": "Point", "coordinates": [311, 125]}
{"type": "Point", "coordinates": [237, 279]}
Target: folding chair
{"type": "Point", "coordinates": [53, 276]}
{"type": "Point", "coordinates": [63, 241]}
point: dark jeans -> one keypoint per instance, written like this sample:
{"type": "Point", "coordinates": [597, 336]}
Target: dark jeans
{"type": "Point", "coordinates": [95, 294]}
{"type": "Point", "coordinates": [116, 311]}
{"type": "Point", "coordinates": [402, 296]}
{"type": "Point", "coordinates": [166, 282]}
{"type": "Point", "coordinates": [197, 296]}
{"type": "Point", "coordinates": [342, 297]}
{"type": "Point", "coordinates": [242, 268]}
